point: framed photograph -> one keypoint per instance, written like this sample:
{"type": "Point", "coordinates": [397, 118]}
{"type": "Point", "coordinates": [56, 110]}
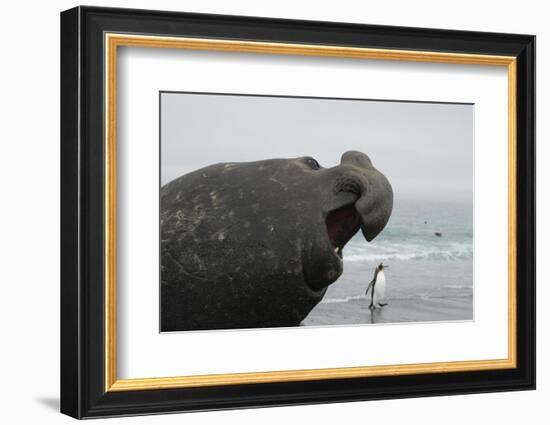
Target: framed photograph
{"type": "Point", "coordinates": [261, 212]}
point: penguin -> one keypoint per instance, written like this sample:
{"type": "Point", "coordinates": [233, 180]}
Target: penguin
{"type": "Point", "coordinates": [377, 288]}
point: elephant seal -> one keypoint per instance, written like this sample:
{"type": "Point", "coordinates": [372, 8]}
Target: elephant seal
{"type": "Point", "coordinates": [256, 244]}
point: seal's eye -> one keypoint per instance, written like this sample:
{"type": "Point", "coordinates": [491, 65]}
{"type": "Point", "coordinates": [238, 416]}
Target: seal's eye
{"type": "Point", "coordinates": [313, 164]}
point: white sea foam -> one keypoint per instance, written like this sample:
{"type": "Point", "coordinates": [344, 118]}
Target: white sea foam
{"type": "Point", "coordinates": [344, 300]}
{"type": "Point", "coordinates": [409, 252]}
{"type": "Point", "coordinates": [420, 296]}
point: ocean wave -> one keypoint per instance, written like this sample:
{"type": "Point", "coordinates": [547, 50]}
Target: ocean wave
{"type": "Point", "coordinates": [449, 248]}
{"type": "Point", "coordinates": [344, 300]}
{"type": "Point", "coordinates": [455, 286]}
{"type": "Point", "coordinates": [418, 296]}
{"type": "Point", "coordinates": [454, 253]}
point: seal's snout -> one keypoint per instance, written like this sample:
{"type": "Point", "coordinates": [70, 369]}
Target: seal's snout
{"type": "Point", "coordinates": [356, 158]}
{"type": "Point", "coordinates": [375, 202]}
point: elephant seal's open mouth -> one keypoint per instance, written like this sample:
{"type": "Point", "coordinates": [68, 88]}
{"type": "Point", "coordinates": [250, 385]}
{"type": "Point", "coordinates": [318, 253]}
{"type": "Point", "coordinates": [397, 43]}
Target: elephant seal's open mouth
{"type": "Point", "coordinates": [342, 224]}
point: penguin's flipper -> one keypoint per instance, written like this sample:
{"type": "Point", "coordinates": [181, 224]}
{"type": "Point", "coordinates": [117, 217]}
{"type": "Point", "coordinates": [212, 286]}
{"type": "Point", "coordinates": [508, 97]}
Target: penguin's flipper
{"type": "Point", "coordinates": [369, 287]}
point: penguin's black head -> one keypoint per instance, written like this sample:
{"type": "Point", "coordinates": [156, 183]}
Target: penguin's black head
{"type": "Point", "coordinates": [381, 266]}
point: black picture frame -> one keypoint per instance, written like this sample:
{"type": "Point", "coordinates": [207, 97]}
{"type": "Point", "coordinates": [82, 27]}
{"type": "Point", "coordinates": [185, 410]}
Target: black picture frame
{"type": "Point", "coordinates": [83, 392]}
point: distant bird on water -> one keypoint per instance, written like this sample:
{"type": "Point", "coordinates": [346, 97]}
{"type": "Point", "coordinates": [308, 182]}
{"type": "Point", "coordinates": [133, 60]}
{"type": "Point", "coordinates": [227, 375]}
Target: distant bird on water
{"type": "Point", "coordinates": [438, 234]}
{"type": "Point", "coordinates": [377, 288]}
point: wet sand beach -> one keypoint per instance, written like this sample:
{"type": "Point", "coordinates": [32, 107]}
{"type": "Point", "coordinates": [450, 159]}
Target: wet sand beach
{"type": "Point", "coordinates": [397, 311]}
{"type": "Point", "coordinates": [417, 291]}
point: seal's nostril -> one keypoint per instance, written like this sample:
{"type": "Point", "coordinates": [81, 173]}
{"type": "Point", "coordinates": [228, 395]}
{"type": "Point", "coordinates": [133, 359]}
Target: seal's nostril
{"type": "Point", "coordinates": [356, 158]}
{"type": "Point", "coordinates": [348, 184]}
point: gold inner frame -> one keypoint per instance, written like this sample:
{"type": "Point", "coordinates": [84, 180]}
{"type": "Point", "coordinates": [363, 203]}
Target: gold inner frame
{"type": "Point", "coordinates": [113, 41]}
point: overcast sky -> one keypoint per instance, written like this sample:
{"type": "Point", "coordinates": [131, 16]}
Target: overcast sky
{"type": "Point", "coordinates": [424, 149]}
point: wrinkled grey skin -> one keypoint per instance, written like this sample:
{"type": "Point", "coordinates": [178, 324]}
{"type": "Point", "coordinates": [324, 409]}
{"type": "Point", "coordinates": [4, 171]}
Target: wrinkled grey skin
{"type": "Point", "coordinates": [246, 245]}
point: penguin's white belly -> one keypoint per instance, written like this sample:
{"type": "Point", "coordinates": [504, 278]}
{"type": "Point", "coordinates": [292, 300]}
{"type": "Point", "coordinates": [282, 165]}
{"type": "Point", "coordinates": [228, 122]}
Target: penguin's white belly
{"type": "Point", "coordinates": [379, 288]}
